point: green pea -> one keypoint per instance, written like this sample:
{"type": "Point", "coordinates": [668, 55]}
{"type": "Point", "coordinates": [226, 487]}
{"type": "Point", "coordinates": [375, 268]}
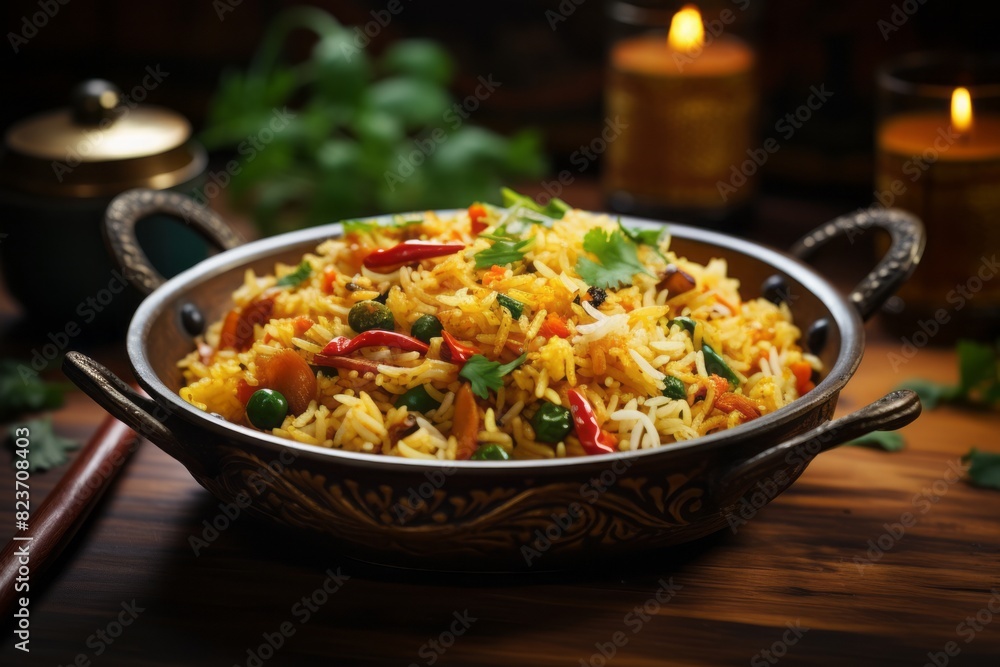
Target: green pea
{"type": "Point", "coordinates": [418, 400]}
{"type": "Point", "coordinates": [716, 365]}
{"type": "Point", "coordinates": [552, 423]}
{"type": "Point", "coordinates": [368, 315]}
{"type": "Point", "coordinates": [674, 388]}
{"type": "Point", "coordinates": [266, 409]}
{"type": "Point", "coordinates": [426, 327]}
{"type": "Point", "coordinates": [685, 323]}
{"type": "Point", "coordinates": [492, 452]}
{"type": "Point", "coordinates": [513, 305]}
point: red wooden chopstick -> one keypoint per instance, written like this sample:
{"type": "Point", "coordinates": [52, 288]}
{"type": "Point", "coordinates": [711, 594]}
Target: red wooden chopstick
{"type": "Point", "coordinates": [64, 510]}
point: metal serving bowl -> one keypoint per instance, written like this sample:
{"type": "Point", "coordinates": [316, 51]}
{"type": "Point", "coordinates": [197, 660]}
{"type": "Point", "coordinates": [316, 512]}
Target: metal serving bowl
{"type": "Point", "coordinates": [496, 515]}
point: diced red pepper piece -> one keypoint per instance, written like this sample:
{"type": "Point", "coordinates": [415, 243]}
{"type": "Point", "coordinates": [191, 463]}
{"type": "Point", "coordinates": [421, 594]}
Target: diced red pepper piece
{"type": "Point", "coordinates": [244, 391]}
{"type": "Point", "coordinates": [477, 218]}
{"type": "Point", "coordinates": [237, 330]}
{"type": "Point", "coordinates": [554, 325]}
{"type": "Point", "coordinates": [588, 431]}
{"type": "Point", "coordinates": [341, 345]}
{"type": "Point", "coordinates": [408, 252]}
{"type": "Point", "coordinates": [329, 278]}
{"type": "Point", "coordinates": [454, 351]}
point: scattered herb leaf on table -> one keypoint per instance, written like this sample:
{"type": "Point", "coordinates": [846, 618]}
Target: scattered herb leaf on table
{"type": "Point", "coordinates": [889, 441]}
{"type": "Point", "coordinates": [47, 449]}
{"type": "Point", "coordinates": [984, 468]}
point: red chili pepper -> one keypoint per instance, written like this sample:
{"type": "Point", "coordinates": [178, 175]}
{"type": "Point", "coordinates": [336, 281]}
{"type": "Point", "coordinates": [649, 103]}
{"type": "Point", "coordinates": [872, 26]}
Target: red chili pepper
{"type": "Point", "coordinates": [477, 215]}
{"type": "Point", "coordinates": [455, 351]}
{"type": "Point", "coordinates": [347, 363]}
{"type": "Point", "coordinates": [593, 439]}
{"type": "Point", "coordinates": [341, 345]}
{"type": "Point", "coordinates": [410, 251]}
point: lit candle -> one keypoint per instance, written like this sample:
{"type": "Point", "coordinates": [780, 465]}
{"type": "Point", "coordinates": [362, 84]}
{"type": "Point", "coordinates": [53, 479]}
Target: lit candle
{"type": "Point", "coordinates": [688, 107]}
{"type": "Point", "coordinates": [945, 168]}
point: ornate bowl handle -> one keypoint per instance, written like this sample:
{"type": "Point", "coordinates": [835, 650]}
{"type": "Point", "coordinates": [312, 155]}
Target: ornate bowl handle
{"type": "Point", "coordinates": [908, 240]}
{"type": "Point", "coordinates": [128, 208]}
{"type": "Point", "coordinates": [892, 411]}
{"type": "Point", "coordinates": [135, 409]}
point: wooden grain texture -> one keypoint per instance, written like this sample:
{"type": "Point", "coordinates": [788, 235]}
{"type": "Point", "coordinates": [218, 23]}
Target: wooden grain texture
{"type": "Point", "coordinates": [793, 563]}
{"type": "Point", "coordinates": [55, 521]}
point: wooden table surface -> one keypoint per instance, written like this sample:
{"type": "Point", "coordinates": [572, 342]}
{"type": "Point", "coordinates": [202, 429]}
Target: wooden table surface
{"type": "Point", "coordinates": [823, 575]}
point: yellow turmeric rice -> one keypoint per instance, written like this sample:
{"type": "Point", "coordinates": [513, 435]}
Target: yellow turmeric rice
{"type": "Point", "coordinates": [657, 349]}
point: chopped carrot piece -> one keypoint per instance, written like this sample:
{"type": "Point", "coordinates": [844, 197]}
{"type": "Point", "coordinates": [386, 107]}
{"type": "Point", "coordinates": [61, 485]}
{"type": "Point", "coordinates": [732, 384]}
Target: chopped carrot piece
{"type": "Point", "coordinates": [494, 273]}
{"type": "Point", "coordinates": [329, 278]}
{"type": "Point", "coordinates": [803, 377]}
{"type": "Point", "coordinates": [477, 218]}
{"type": "Point", "coordinates": [289, 374]}
{"type": "Point", "coordinates": [466, 424]}
{"type": "Point", "coordinates": [728, 402]}
{"type": "Point", "coordinates": [301, 325]}
{"type": "Point", "coordinates": [554, 325]}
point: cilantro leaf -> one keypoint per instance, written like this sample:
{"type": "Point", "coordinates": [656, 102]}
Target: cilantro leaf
{"type": "Point", "coordinates": [484, 374]}
{"type": "Point", "coordinates": [358, 227]}
{"type": "Point", "coordinates": [399, 221]}
{"type": "Point", "coordinates": [886, 440]}
{"type": "Point", "coordinates": [984, 468]}
{"type": "Point", "coordinates": [555, 209]}
{"type": "Point", "coordinates": [47, 450]}
{"type": "Point", "coordinates": [502, 253]}
{"type": "Point", "coordinates": [639, 236]}
{"type": "Point", "coordinates": [618, 259]}
{"type": "Point", "coordinates": [22, 390]}
{"type": "Point", "coordinates": [296, 277]}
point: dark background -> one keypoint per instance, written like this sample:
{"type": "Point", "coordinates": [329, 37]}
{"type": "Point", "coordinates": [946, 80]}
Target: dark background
{"type": "Point", "coordinates": [552, 79]}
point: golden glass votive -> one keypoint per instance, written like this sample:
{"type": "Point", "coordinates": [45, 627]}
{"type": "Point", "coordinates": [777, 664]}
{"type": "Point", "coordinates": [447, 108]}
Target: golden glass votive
{"type": "Point", "coordinates": [688, 106]}
{"type": "Point", "coordinates": [938, 156]}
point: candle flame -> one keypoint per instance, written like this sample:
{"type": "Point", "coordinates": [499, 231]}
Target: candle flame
{"type": "Point", "coordinates": [687, 33]}
{"type": "Point", "coordinates": [961, 110]}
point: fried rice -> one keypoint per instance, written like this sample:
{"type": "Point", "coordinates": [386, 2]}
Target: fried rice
{"type": "Point", "coordinates": [617, 345]}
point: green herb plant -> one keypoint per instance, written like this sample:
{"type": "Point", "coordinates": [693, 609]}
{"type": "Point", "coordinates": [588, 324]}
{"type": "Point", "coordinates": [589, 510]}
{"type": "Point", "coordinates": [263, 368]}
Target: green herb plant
{"type": "Point", "coordinates": [358, 135]}
{"type": "Point", "coordinates": [978, 387]}
{"type": "Point", "coordinates": [978, 379]}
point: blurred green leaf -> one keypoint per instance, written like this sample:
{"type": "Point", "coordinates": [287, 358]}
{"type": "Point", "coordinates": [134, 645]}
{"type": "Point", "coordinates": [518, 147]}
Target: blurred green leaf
{"type": "Point", "coordinates": [46, 449]}
{"type": "Point", "coordinates": [419, 58]}
{"type": "Point", "coordinates": [22, 390]}
{"type": "Point", "coordinates": [524, 154]}
{"type": "Point", "coordinates": [415, 102]}
{"type": "Point", "coordinates": [341, 69]}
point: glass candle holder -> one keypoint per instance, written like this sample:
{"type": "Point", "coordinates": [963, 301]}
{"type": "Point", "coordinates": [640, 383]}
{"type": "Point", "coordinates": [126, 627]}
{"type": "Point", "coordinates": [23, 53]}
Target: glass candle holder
{"type": "Point", "coordinates": [687, 101]}
{"type": "Point", "coordinates": [938, 156]}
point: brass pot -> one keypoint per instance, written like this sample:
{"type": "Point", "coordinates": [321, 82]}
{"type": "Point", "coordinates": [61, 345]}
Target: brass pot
{"type": "Point", "coordinates": [59, 171]}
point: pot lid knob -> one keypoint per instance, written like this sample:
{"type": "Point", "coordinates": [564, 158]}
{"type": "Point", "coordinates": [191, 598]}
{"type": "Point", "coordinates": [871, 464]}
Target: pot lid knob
{"type": "Point", "coordinates": [94, 100]}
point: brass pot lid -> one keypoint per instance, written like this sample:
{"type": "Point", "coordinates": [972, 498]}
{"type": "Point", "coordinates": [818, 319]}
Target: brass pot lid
{"type": "Point", "coordinates": [100, 146]}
